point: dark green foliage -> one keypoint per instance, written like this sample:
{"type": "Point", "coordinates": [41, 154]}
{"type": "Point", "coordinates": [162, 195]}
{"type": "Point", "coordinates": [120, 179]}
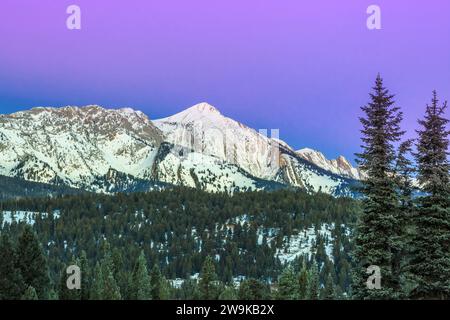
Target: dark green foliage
{"type": "Point", "coordinates": [105, 286]}
{"type": "Point", "coordinates": [188, 291]}
{"type": "Point", "coordinates": [379, 225]}
{"type": "Point", "coordinates": [30, 294]}
{"type": "Point", "coordinates": [229, 293]}
{"type": "Point", "coordinates": [32, 263]}
{"type": "Point", "coordinates": [15, 188]}
{"type": "Point", "coordinates": [64, 292]}
{"type": "Point", "coordinates": [141, 289]}
{"type": "Point", "coordinates": [328, 291]}
{"type": "Point", "coordinates": [252, 289]}
{"type": "Point", "coordinates": [313, 282]}
{"type": "Point", "coordinates": [303, 283]}
{"type": "Point", "coordinates": [86, 276]}
{"type": "Point", "coordinates": [158, 284]}
{"type": "Point", "coordinates": [208, 284]}
{"type": "Point", "coordinates": [430, 261]}
{"type": "Point", "coordinates": [172, 228]}
{"type": "Point", "coordinates": [287, 285]}
{"type": "Point", "coordinates": [12, 285]}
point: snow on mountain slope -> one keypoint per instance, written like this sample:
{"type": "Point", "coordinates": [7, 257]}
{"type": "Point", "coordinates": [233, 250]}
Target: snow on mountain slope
{"type": "Point", "coordinates": [74, 145]}
{"type": "Point", "coordinates": [203, 129]}
{"type": "Point", "coordinates": [204, 172]}
{"type": "Point", "coordinates": [105, 150]}
{"type": "Point", "coordinates": [340, 166]}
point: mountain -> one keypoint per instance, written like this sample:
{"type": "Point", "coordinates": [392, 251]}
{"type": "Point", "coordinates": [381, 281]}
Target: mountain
{"type": "Point", "coordinates": [77, 147]}
{"type": "Point", "coordinates": [108, 150]}
{"type": "Point", "coordinates": [340, 166]}
{"type": "Point", "coordinates": [204, 130]}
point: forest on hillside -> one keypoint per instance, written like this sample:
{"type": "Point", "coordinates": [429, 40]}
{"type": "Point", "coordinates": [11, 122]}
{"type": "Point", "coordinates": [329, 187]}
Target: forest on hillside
{"type": "Point", "coordinates": [177, 233]}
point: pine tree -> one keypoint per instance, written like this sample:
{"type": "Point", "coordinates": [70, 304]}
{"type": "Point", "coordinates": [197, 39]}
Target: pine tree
{"type": "Point", "coordinates": [208, 280]}
{"type": "Point", "coordinates": [156, 284]}
{"type": "Point", "coordinates": [328, 291]}
{"type": "Point", "coordinates": [97, 286]}
{"type": "Point", "coordinates": [110, 289]}
{"type": "Point", "coordinates": [189, 290]}
{"type": "Point", "coordinates": [313, 282]}
{"type": "Point", "coordinates": [12, 285]}
{"type": "Point", "coordinates": [32, 263]}
{"type": "Point", "coordinates": [404, 171]}
{"type": "Point", "coordinates": [252, 289]}
{"type": "Point", "coordinates": [86, 276]}
{"type": "Point", "coordinates": [229, 293]}
{"type": "Point", "coordinates": [287, 285]}
{"type": "Point", "coordinates": [105, 286]}
{"type": "Point", "coordinates": [30, 294]}
{"type": "Point", "coordinates": [141, 280]}
{"type": "Point", "coordinates": [379, 223]}
{"type": "Point", "coordinates": [430, 263]}
{"type": "Point", "coordinates": [303, 283]}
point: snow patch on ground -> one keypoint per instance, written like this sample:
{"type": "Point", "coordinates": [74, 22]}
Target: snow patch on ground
{"type": "Point", "coordinates": [28, 217]}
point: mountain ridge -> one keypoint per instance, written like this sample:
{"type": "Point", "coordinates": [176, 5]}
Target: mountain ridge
{"type": "Point", "coordinates": [79, 146]}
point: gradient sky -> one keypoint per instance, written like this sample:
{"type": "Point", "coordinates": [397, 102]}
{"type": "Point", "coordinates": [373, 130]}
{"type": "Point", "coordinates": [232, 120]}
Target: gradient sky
{"type": "Point", "coordinates": [304, 67]}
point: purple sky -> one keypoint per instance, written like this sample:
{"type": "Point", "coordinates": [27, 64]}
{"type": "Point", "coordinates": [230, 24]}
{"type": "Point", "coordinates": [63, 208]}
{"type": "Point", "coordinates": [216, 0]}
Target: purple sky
{"type": "Point", "coordinates": [304, 67]}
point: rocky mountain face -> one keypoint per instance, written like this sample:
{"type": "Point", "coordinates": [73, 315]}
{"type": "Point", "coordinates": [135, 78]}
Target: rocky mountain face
{"type": "Point", "coordinates": [340, 166]}
{"type": "Point", "coordinates": [77, 147]}
{"type": "Point", "coordinates": [105, 150]}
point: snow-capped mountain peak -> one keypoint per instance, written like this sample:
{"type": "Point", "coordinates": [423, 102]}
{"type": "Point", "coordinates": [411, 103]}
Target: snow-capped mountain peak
{"type": "Point", "coordinates": [204, 107]}
{"type": "Point", "coordinates": [200, 112]}
{"type": "Point", "coordinates": [203, 129]}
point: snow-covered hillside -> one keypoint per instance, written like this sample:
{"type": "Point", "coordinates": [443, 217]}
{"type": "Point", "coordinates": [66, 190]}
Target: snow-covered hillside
{"type": "Point", "coordinates": [74, 146]}
{"type": "Point", "coordinates": [106, 150]}
{"type": "Point", "coordinates": [203, 129]}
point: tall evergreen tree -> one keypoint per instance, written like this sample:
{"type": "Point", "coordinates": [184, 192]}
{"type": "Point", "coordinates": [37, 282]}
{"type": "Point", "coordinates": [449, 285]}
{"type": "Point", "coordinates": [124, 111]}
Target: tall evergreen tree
{"type": "Point", "coordinates": [141, 280]}
{"type": "Point", "coordinates": [86, 276]}
{"type": "Point", "coordinates": [378, 225]}
{"type": "Point", "coordinates": [313, 282]}
{"type": "Point", "coordinates": [328, 291]}
{"type": "Point", "coordinates": [157, 284]}
{"type": "Point", "coordinates": [430, 263]}
{"type": "Point", "coordinates": [32, 263]}
{"type": "Point", "coordinates": [105, 286]}
{"type": "Point", "coordinates": [97, 286]}
{"type": "Point", "coordinates": [12, 285]}
{"type": "Point", "coordinates": [287, 285]}
{"type": "Point", "coordinates": [208, 280]}
{"type": "Point", "coordinates": [252, 289]}
{"type": "Point", "coordinates": [303, 283]}
{"type": "Point", "coordinates": [110, 289]}
{"type": "Point", "coordinates": [404, 171]}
